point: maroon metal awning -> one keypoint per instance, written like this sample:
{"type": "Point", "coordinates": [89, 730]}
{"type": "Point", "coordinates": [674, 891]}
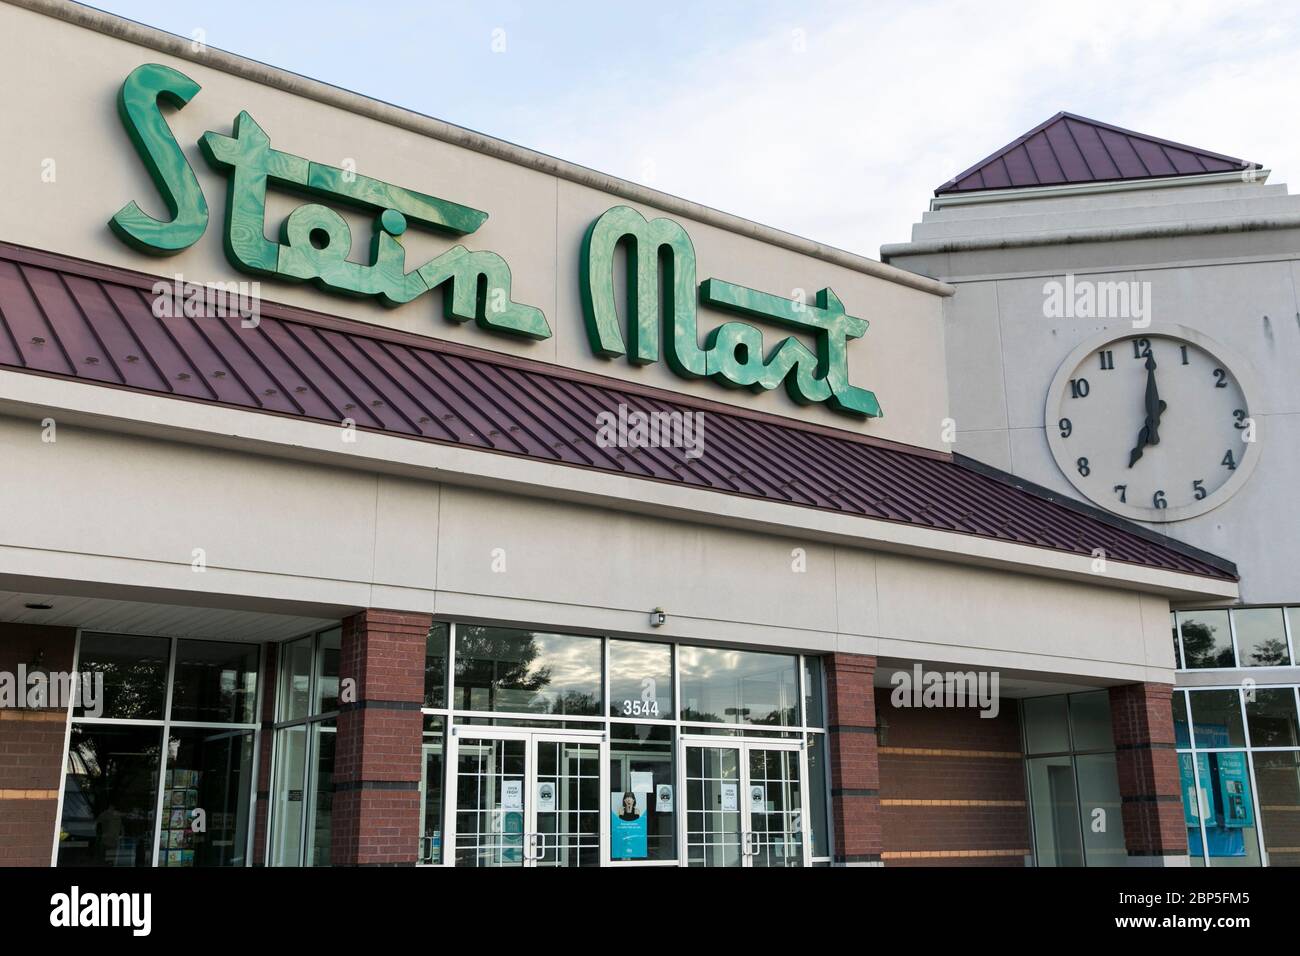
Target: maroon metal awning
{"type": "Point", "coordinates": [72, 319]}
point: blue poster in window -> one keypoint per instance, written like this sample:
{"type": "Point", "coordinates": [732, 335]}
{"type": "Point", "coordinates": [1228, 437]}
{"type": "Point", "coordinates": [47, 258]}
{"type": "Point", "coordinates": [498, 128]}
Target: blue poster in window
{"type": "Point", "coordinates": [627, 825]}
{"type": "Point", "coordinates": [1191, 806]}
{"type": "Point", "coordinates": [1234, 791]}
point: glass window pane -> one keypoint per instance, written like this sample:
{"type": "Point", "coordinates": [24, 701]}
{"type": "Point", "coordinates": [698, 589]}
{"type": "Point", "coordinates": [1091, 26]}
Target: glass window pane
{"type": "Point", "coordinates": [1278, 776]}
{"type": "Point", "coordinates": [1271, 717]}
{"type": "Point", "coordinates": [738, 687]}
{"type": "Point", "coordinates": [641, 762]}
{"type": "Point", "coordinates": [135, 674]}
{"type": "Point", "coordinates": [327, 671]}
{"type": "Point", "coordinates": [295, 679]}
{"type": "Point", "coordinates": [321, 788]}
{"type": "Point", "coordinates": [1090, 721]}
{"type": "Point", "coordinates": [1261, 637]}
{"type": "Point", "coordinates": [431, 791]}
{"type": "Point", "coordinates": [1047, 728]}
{"type": "Point", "coordinates": [1178, 704]}
{"type": "Point", "coordinates": [1102, 810]}
{"type": "Point", "coordinates": [1191, 808]}
{"type": "Point", "coordinates": [812, 692]}
{"type": "Point", "coordinates": [499, 669]}
{"type": "Point", "coordinates": [110, 796]}
{"type": "Point", "coordinates": [1216, 718]}
{"type": "Point", "coordinates": [1230, 818]}
{"type": "Point", "coordinates": [820, 832]}
{"type": "Point", "coordinates": [1178, 654]}
{"type": "Point", "coordinates": [435, 665]}
{"type": "Point", "coordinates": [211, 771]}
{"type": "Point", "coordinates": [215, 682]}
{"type": "Point", "coordinates": [290, 796]}
{"type": "Point", "coordinates": [640, 679]}
{"type": "Point", "coordinates": [1055, 811]}
{"type": "Point", "coordinates": [1207, 642]}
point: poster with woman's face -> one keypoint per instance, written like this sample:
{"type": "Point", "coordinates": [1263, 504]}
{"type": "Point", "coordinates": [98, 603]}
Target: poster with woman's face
{"type": "Point", "coordinates": [627, 824]}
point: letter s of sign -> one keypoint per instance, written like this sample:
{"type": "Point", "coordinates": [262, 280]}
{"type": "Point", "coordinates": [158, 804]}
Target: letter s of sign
{"type": "Point", "coordinates": [138, 102]}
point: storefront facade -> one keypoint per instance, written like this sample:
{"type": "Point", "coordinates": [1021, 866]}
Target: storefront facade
{"type": "Point", "coordinates": [1108, 281]}
{"type": "Point", "coordinates": [561, 523]}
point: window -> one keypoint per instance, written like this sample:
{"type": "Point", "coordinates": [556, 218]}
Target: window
{"type": "Point", "coordinates": [738, 687]}
{"type": "Point", "coordinates": [1075, 804]}
{"type": "Point", "coordinates": [1207, 639]}
{"type": "Point", "coordinates": [305, 732]}
{"type": "Point", "coordinates": [1242, 637]}
{"type": "Point", "coordinates": [527, 672]}
{"type": "Point", "coordinates": [147, 785]}
{"type": "Point", "coordinates": [640, 680]}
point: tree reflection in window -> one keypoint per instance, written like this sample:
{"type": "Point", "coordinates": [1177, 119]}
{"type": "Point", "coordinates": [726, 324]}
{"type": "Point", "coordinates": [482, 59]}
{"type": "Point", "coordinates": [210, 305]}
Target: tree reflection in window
{"type": "Point", "coordinates": [530, 672]}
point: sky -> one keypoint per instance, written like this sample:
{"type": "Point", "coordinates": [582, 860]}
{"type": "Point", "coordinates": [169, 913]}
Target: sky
{"type": "Point", "coordinates": [829, 119]}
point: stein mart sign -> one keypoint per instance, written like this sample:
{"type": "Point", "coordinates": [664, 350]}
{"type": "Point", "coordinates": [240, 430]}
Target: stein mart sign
{"type": "Point", "coordinates": [316, 241]}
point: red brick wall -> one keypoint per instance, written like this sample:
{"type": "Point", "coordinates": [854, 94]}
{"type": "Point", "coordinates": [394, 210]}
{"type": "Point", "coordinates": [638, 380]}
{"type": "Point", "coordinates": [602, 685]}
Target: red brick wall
{"type": "Point", "coordinates": [952, 786]}
{"type": "Point", "coordinates": [1143, 726]}
{"type": "Point", "coordinates": [31, 749]}
{"type": "Point", "coordinates": [851, 739]}
{"type": "Point", "coordinates": [377, 763]}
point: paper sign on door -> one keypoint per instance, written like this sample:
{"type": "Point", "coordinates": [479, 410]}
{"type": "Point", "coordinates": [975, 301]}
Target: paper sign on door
{"type": "Point", "coordinates": [512, 795]}
{"type": "Point", "coordinates": [545, 797]}
{"type": "Point", "coordinates": [731, 796]}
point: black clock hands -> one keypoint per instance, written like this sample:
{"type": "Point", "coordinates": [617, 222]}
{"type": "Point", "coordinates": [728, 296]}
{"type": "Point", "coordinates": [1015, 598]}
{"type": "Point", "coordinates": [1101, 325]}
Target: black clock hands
{"type": "Point", "coordinates": [1150, 433]}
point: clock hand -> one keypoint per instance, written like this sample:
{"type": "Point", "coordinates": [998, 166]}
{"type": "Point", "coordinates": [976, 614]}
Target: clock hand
{"type": "Point", "coordinates": [1150, 433]}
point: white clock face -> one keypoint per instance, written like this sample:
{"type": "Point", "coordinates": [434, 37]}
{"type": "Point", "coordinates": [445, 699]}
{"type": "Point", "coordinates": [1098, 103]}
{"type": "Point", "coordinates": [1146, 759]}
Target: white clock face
{"type": "Point", "coordinates": [1153, 425]}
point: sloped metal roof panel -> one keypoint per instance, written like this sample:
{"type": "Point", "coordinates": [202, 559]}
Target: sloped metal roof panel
{"type": "Point", "coordinates": [1070, 149]}
{"type": "Point", "coordinates": [77, 320]}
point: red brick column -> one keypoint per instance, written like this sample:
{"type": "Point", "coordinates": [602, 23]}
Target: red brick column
{"type": "Point", "coordinates": [855, 771]}
{"type": "Point", "coordinates": [377, 767]}
{"type": "Point", "coordinates": [31, 748]}
{"type": "Point", "coordinates": [1143, 727]}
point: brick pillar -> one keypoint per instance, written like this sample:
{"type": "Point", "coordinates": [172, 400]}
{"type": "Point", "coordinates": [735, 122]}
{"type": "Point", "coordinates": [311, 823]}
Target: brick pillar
{"type": "Point", "coordinates": [31, 748]}
{"type": "Point", "coordinates": [1143, 727]}
{"type": "Point", "coordinates": [377, 766]}
{"type": "Point", "coordinates": [262, 799]}
{"type": "Point", "coordinates": [855, 771]}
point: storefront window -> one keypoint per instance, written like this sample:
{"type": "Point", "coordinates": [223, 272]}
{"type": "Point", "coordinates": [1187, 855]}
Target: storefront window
{"type": "Point", "coordinates": [435, 665]}
{"type": "Point", "coordinates": [215, 682]}
{"type": "Point", "coordinates": [432, 751]}
{"type": "Point", "coordinates": [110, 796]}
{"type": "Point", "coordinates": [208, 773]}
{"type": "Point", "coordinates": [1261, 637]}
{"type": "Point", "coordinates": [133, 757]}
{"type": "Point", "coordinates": [1216, 719]}
{"type": "Point", "coordinates": [1102, 810]}
{"type": "Point", "coordinates": [1271, 717]}
{"type": "Point", "coordinates": [500, 669]}
{"type": "Point", "coordinates": [814, 712]}
{"type": "Point", "coordinates": [1207, 639]}
{"type": "Point", "coordinates": [1278, 775]}
{"type": "Point", "coordinates": [135, 674]}
{"type": "Point", "coordinates": [1047, 728]}
{"type": "Point", "coordinates": [1230, 837]}
{"type": "Point", "coordinates": [819, 835]}
{"type": "Point", "coordinates": [738, 687]}
{"type": "Point", "coordinates": [303, 789]}
{"type": "Point", "coordinates": [641, 763]}
{"type": "Point", "coordinates": [640, 680]}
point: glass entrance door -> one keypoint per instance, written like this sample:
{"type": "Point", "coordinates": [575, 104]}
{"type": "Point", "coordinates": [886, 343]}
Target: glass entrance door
{"type": "Point", "coordinates": [526, 798]}
{"type": "Point", "coordinates": [744, 803]}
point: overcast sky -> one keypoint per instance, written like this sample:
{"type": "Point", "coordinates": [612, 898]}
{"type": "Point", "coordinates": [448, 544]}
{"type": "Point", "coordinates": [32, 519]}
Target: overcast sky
{"type": "Point", "coordinates": [831, 119]}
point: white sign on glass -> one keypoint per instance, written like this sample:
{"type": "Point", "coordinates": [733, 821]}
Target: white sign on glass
{"type": "Point", "coordinates": [512, 794]}
{"type": "Point", "coordinates": [731, 796]}
{"type": "Point", "coordinates": [545, 797]}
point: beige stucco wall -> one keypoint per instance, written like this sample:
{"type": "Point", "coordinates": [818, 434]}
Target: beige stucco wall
{"type": "Point", "coordinates": [98, 508]}
{"type": "Point", "coordinates": [65, 80]}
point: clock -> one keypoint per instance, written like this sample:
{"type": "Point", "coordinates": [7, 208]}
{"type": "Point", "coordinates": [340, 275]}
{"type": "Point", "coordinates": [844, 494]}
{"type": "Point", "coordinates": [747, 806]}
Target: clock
{"type": "Point", "coordinates": [1154, 424]}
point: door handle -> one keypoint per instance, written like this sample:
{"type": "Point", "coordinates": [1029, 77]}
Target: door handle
{"type": "Point", "coordinates": [748, 842]}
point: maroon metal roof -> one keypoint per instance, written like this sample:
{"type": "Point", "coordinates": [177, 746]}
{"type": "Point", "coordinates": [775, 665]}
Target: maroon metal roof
{"type": "Point", "coordinates": [1073, 149]}
{"type": "Point", "coordinates": [72, 319]}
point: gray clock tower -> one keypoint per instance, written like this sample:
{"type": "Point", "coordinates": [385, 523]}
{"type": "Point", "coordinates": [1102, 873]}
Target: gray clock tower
{"type": "Point", "coordinates": [1126, 333]}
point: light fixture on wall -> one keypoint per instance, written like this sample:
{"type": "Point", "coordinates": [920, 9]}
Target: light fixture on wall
{"type": "Point", "coordinates": [658, 618]}
{"type": "Point", "coordinates": [38, 606]}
